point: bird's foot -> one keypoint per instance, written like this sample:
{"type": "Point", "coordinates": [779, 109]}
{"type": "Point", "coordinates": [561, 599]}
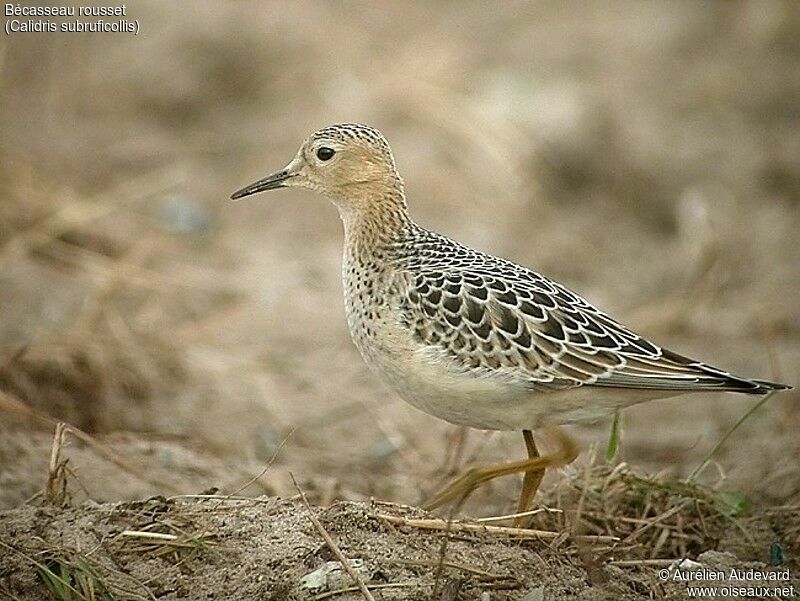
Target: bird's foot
{"type": "Point", "coordinates": [459, 490]}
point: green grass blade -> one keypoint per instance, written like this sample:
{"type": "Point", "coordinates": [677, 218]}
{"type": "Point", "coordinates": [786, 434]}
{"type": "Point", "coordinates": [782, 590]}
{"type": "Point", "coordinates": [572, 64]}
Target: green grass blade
{"type": "Point", "coordinates": [728, 434]}
{"type": "Point", "coordinates": [612, 449]}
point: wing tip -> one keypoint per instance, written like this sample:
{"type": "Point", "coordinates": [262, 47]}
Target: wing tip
{"type": "Point", "coordinates": [747, 386]}
{"type": "Point", "coordinates": [729, 382]}
{"type": "Point", "coordinates": [765, 386]}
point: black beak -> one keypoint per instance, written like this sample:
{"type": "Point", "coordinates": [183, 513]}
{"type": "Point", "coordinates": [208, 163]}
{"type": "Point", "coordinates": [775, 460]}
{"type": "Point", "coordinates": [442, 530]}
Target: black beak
{"type": "Point", "coordinates": [276, 180]}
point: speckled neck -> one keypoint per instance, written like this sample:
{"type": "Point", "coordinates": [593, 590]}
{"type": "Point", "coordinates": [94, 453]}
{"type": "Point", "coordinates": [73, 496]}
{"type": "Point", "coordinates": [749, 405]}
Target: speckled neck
{"type": "Point", "coordinates": [374, 218]}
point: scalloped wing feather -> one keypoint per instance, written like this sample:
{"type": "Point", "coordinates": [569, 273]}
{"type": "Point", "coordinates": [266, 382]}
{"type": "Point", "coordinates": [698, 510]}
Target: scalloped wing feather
{"type": "Point", "coordinates": [534, 331]}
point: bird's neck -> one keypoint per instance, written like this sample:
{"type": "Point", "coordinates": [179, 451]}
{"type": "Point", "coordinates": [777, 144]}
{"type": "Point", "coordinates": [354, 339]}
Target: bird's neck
{"type": "Point", "coordinates": [374, 217]}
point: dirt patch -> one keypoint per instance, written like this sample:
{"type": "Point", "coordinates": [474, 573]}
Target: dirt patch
{"type": "Point", "coordinates": [202, 547]}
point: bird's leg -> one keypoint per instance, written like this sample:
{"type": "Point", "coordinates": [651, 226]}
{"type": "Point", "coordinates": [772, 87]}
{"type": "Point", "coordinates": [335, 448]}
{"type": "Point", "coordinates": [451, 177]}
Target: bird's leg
{"type": "Point", "coordinates": [463, 487]}
{"type": "Point", "coordinates": [531, 480]}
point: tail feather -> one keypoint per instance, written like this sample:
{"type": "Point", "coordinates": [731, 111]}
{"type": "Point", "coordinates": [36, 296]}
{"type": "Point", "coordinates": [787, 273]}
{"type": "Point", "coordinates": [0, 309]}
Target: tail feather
{"type": "Point", "coordinates": [729, 382]}
{"type": "Point", "coordinates": [672, 371]}
{"type": "Point", "coordinates": [765, 386]}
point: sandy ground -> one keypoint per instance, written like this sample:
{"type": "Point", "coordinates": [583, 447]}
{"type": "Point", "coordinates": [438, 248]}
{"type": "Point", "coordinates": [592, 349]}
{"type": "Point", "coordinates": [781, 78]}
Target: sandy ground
{"type": "Point", "coordinates": [644, 154]}
{"type": "Point", "coordinates": [266, 548]}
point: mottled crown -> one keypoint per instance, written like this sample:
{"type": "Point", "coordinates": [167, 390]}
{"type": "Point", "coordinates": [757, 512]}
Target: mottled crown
{"type": "Point", "coordinates": [356, 132]}
{"type": "Point", "coordinates": [352, 131]}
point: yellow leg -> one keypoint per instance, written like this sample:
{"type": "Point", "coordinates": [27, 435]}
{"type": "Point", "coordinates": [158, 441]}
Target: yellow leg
{"type": "Point", "coordinates": [531, 480]}
{"type": "Point", "coordinates": [464, 486]}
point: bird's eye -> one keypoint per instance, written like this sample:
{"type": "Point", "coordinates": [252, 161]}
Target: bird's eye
{"type": "Point", "coordinates": [325, 153]}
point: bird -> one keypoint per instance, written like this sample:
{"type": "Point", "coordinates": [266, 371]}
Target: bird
{"type": "Point", "coordinates": [471, 338]}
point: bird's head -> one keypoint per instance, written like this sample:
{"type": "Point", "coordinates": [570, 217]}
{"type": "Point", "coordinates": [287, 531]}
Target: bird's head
{"type": "Point", "coordinates": [349, 163]}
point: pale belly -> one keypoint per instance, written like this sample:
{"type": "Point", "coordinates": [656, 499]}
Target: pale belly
{"type": "Point", "coordinates": [426, 379]}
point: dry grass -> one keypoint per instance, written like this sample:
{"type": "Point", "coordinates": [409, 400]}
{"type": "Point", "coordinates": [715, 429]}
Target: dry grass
{"type": "Point", "coordinates": [69, 574]}
{"type": "Point", "coordinates": [659, 518]}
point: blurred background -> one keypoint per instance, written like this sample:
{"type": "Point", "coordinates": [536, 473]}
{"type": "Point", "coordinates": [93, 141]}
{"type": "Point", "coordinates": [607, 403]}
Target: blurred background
{"type": "Point", "coordinates": [645, 154]}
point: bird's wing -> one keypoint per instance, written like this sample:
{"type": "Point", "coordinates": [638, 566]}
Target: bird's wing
{"type": "Point", "coordinates": [505, 319]}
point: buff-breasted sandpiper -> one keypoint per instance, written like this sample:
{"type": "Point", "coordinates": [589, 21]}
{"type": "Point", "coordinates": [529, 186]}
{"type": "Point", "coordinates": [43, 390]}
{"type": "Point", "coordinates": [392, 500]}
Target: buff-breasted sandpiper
{"type": "Point", "coordinates": [471, 338]}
